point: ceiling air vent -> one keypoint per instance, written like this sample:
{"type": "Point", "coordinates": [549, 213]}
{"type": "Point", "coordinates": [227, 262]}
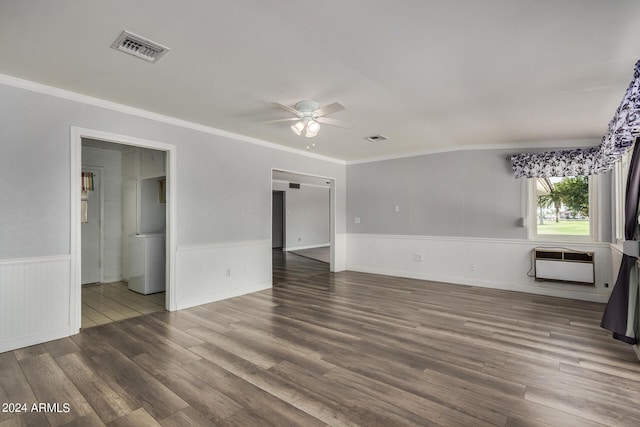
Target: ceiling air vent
{"type": "Point", "coordinates": [294, 185]}
{"type": "Point", "coordinates": [139, 46]}
{"type": "Point", "coordinates": [377, 138]}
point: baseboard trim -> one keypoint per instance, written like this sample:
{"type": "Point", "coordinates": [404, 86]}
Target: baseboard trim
{"type": "Point", "coordinates": [226, 294]}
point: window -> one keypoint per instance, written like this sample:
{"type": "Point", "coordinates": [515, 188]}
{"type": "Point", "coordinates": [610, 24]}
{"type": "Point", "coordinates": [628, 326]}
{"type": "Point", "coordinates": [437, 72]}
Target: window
{"type": "Point", "coordinates": [563, 208]}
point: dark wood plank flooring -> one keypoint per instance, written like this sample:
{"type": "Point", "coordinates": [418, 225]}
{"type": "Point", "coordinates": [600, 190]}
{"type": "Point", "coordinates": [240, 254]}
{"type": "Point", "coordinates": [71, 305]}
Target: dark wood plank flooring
{"type": "Point", "coordinates": [337, 349]}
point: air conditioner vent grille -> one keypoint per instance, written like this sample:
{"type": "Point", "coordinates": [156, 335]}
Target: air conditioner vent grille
{"type": "Point", "coordinates": [139, 47]}
{"type": "Point", "coordinates": [548, 255]}
{"type": "Point", "coordinates": [578, 256]}
{"type": "Point", "coordinates": [376, 138]}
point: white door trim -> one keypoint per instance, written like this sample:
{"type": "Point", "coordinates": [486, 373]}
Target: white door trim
{"type": "Point", "coordinates": [76, 135]}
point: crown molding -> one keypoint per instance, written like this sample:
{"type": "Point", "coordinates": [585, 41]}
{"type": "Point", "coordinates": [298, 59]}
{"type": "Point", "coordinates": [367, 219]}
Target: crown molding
{"type": "Point", "coordinates": [516, 147]}
{"type": "Point", "coordinates": [121, 108]}
{"type": "Point", "coordinates": [134, 111]}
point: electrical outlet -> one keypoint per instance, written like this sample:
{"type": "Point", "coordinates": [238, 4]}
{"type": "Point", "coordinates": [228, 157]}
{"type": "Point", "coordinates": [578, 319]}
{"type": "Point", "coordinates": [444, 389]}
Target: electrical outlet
{"type": "Point", "coordinates": [357, 220]}
{"type": "Point", "coordinates": [474, 267]}
{"type": "Point", "coordinates": [228, 272]}
{"type": "Point", "coordinates": [417, 257]}
{"type": "Point", "coordinates": [397, 208]}
{"type": "Point", "coordinates": [299, 239]}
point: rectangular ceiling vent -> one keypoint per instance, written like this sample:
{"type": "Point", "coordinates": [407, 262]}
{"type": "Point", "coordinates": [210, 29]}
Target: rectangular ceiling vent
{"type": "Point", "coordinates": [377, 138]}
{"type": "Point", "coordinates": [139, 46]}
{"type": "Point", "coordinates": [294, 185]}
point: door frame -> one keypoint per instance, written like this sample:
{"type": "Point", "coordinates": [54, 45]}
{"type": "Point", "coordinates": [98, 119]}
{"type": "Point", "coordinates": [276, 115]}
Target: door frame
{"type": "Point", "coordinates": [76, 135]}
{"type": "Point", "coordinates": [100, 171]}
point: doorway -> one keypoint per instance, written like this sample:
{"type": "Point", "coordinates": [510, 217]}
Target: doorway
{"type": "Point", "coordinates": [308, 222]}
{"type": "Point", "coordinates": [122, 234]}
{"type": "Point", "coordinates": [160, 205]}
{"type": "Point", "coordinates": [277, 220]}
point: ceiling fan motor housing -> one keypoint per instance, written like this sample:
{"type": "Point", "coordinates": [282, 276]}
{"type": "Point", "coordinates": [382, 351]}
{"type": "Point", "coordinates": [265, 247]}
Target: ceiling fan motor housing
{"type": "Point", "coordinates": [307, 107]}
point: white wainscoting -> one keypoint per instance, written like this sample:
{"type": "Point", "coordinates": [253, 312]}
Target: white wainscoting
{"type": "Point", "coordinates": [207, 273]}
{"type": "Point", "coordinates": [340, 255]}
{"type": "Point", "coordinates": [34, 300]}
{"type": "Point", "coordinates": [492, 263]}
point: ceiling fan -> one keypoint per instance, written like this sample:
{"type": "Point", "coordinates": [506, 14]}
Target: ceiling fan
{"type": "Point", "coordinates": [309, 115]}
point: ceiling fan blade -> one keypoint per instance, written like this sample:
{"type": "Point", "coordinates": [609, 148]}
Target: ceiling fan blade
{"type": "Point", "coordinates": [289, 109]}
{"type": "Point", "coordinates": [333, 122]}
{"type": "Point", "coordinates": [328, 109]}
{"type": "Point", "coordinates": [282, 120]}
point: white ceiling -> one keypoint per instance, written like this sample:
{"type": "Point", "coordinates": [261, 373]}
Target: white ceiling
{"type": "Point", "coordinates": [431, 75]}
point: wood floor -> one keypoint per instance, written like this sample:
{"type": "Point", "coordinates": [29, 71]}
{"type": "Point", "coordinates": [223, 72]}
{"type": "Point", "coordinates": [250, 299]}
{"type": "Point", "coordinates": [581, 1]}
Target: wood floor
{"type": "Point", "coordinates": [337, 349]}
{"type": "Point", "coordinates": [319, 254]}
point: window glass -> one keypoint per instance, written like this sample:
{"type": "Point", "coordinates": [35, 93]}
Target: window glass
{"type": "Point", "coordinates": [562, 207]}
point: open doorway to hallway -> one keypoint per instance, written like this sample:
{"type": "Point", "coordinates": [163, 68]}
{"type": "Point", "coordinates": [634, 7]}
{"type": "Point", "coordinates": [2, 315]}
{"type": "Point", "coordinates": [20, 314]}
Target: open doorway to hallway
{"type": "Point", "coordinates": [302, 224]}
{"type": "Point", "coordinates": [123, 223]}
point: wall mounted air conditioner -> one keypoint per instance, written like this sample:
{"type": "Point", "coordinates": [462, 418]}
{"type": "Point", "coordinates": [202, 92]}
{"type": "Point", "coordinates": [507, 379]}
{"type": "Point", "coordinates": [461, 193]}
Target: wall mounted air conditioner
{"type": "Point", "coordinates": [562, 265]}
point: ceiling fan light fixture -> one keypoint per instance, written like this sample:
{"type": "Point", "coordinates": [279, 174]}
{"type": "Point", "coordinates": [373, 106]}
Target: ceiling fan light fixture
{"type": "Point", "coordinates": [310, 117]}
{"type": "Point", "coordinates": [313, 126]}
{"type": "Point", "coordinates": [298, 128]}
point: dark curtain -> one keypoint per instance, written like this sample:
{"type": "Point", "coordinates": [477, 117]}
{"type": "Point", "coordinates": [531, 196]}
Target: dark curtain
{"type": "Point", "coordinates": [621, 314]}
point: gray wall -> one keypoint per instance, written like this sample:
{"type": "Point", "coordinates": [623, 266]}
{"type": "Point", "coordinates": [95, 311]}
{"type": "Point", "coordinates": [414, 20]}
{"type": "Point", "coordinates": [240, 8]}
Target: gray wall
{"type": "Point", "coordinates": [460, 194]}
{"type": "Point", "coordinates": [223, 184]}
{"type": "Point", "coordinates": [306, 215]}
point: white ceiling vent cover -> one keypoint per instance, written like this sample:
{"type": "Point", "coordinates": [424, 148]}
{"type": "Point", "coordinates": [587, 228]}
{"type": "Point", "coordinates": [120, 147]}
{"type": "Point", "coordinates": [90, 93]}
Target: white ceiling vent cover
{"type": "Point", "coordinates": [138, 46]}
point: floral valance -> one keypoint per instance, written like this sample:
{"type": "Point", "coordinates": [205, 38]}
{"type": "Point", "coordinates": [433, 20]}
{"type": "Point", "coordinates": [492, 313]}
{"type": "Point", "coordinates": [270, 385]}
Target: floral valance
{"type": "Point", "coordinates": [622, 132]}
{"type": "Point", "coordinates": [576, 162]}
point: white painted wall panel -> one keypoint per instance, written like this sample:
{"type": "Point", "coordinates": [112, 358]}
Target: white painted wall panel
{"type": "Point", "coordinates": [34, 300]}
{"type": "Point", "coordinates": [219, 271]}
{"type": "Point", "coordinates": [492, 263]}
